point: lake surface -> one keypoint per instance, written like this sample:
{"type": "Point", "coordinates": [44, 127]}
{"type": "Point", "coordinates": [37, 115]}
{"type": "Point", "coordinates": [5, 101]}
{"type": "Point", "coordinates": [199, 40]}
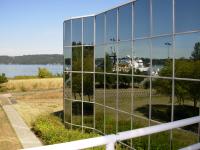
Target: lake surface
{"type": "Point", "coordinates": [12, 70]}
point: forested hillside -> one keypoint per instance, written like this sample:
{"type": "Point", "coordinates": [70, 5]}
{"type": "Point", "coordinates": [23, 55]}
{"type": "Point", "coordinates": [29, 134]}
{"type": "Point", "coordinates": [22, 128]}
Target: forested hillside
{"type": "Point", "coordinates": [32, 59]}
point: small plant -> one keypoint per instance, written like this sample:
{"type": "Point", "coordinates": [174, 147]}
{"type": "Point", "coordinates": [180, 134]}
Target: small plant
{"type": "Point", "coordinates": [3, 78]}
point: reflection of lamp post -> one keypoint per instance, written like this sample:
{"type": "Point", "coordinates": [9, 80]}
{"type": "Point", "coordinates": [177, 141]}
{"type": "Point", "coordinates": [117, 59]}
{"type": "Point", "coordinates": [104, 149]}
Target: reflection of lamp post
{"type": "Point", "coordinates": [168, 45]}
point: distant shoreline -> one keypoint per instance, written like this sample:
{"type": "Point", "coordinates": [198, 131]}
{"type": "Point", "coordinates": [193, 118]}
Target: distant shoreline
{"type": "Point", "coordinates": [43, 59]}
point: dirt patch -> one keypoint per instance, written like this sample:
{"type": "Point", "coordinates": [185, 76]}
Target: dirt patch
{"type": "Point", "coordinates": [32, 104]}
{"type": "Point", "coordinates": [8, 138]}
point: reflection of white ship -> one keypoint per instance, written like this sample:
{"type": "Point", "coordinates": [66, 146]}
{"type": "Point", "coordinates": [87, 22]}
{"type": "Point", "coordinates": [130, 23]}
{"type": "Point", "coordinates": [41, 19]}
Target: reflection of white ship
{"type": "Point", "coordinates": [126, 63]}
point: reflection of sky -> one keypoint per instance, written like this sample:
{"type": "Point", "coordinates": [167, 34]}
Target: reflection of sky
{"type": "Point", "coordinates": [187, 15]}
{"type": "Point", "coordinates": [76, 30]}
{"type": "Point", "coordinates": [185, 44]}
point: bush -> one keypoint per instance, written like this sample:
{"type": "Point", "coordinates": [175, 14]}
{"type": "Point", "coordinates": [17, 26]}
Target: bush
{"type": "Point", "coordinates": [44, 73]}
{"type": "Point", "coordinates": [3, 78]}
{"type": "Point", "coordinates": [51, 130]}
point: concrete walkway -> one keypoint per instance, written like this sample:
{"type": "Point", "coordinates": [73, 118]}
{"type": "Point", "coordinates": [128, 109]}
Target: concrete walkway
{"type": "Point", "coordinates": [25, 135]}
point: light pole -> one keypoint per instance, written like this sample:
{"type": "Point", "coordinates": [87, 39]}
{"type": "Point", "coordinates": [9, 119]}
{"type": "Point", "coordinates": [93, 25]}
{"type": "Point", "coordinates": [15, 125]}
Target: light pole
{"type": "Point", "coordinates": [168, 44]}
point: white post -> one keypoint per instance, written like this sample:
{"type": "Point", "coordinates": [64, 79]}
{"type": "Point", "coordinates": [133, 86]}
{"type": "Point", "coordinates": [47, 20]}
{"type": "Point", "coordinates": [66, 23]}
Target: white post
{"type": "Point", "coordinates": [110, 146]}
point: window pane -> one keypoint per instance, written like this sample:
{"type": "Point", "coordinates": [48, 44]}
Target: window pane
{"type": "Point", "coordinates": [141, 55]}
{"type": "Point", "coordinates": [142, 18]}
{"type": "Point", "coordinates": [68, 109]}
{"type": "Point", "coordinates": [99, 58]}
{"type": "Point", "coordinates": [88, 31]}
{"type": "Point", "coordinates": [77, 32]}
{"type": "Point", "coordinates": [111, 90]}
{"type": "Point", "coordinates": [76, 58]}
{"type": "Point", "coordinates": [88, 58]}
{"type": "Point", "coordinates": [67, 58]}
{"type": "Point", "coordinates": [99, 88]}
{"type": "Point", "coordinates": [99, 118]}
{"type": "Point", "coordinates": [162, 17]}
{"type": "Point", "coordinates": [88, 114]}
{"type": "Point", "coordinates": [110, 120]}
{"type": "Point", "coordinates": [67, 33]}
{"type": "Point", "coordinates": [111, 26]}
{"type": "Point", "coordinates": [77, 112]}
{"type": "Point", "coordinates": [125, 57]}
{"type": "Point", "coordinates": [186, 106]}
{"type": "Point", "coordinates": [125, 22]}
{"type": "Point", "coordinates": [68, 88]}
{"type": "Point", "coordinates": [187, 15]}
{"type": "Point", "coordinates": [100, 29]}
{"type": "Point", "coordinates": [77, 86]}
{"type": "Point", "coordinates": [187, 56]}
{"type": "Point", "coordinates": [125, 93]}
{"type": "Point", "coordinates": [162, 61]}
{"type": "Point", "coordinates": [111, 58]}
{"type": "Point", "coordinates": [88, 87]}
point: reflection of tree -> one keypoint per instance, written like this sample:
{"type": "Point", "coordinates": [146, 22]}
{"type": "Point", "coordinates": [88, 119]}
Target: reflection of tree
{"type": "Point", "coordinates": [196, 53]}
{"type": "Point", "coordinates": [184, 68]}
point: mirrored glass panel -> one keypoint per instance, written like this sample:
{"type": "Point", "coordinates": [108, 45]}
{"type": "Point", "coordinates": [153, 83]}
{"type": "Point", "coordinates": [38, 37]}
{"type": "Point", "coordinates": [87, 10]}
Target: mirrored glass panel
{"type": "Point", "coordinates": [162, 59]}
{"type": "Point", "coordinates": [67, 33]}
{"type": "Point", "coordinates": [125, 22]}
{"type": "Point", "coordinates": [68, 85]}
{"type": "Point", "coordinates": [76, 58]}
{"type": "Point", "coordinates": [111, 58]}
{"type": "Point", "coordinates": [76, 32]}
{"type": "Point", "coordinates": [110, 121]}
{"type": "Point", "coordinates": [186, 106]}
{"type": "Point", "coordinates": [125, 93]}
{"type": "Point", "coordinates": [141, 57]}
{"type": "Point", "coordinates": [88, 31]}
{"type": "Point", "coordinates": [111, 90]}
{"type": "Point", "coordinates": [111, 26]}
{"type": "Point", "coordinates": [88, 114]}
{"type": "Point", "coordinates": [99, 58]}
{"type": "Point", "coordinates": [187, 15]}
{"type": "Point", "coordinates": [161, 100]}
{"type": "Point", "coordinates": [100, 29]}
{"type": "Point", "coordinates": [187, 56]}
{"type": "Point", "coordinates": [77, 86]}
{"type": "Point", "coordinates": [162, 17]}
{"type": "Point", "coordinates": [88, 58]}
{"type": "Point", "coordinates": [88, 87]}
{"type": "Point", "coordinates": [142, 18]}
{"type": "Point", "coordinates": [141, 97]}
{"type": "Point", "coordinates": [67, 51]}
{"type": "Point", "coordinates": [141, 100]}
{"type": "Point", "coordinates": [99, 88]}
{"type": "Point", "coordinates": [77, 112]}
{"type": "Point", "coordinates": [99, 118]}
{"type": "Point", "coordinates": [68, 110]}
{"type": "Point", "coordinates": [125, 62]}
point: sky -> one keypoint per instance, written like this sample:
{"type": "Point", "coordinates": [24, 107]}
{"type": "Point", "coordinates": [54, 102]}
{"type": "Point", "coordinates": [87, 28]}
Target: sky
{"type": "Point", "coordinates": [36, 26]}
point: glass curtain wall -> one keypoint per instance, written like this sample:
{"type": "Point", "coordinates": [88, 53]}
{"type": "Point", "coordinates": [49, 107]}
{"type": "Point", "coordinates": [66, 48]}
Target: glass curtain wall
{"type": "Point", "coordinates": [134, 66]}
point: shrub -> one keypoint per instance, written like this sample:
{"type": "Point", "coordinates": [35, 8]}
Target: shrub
{"type": "Point", "coordinates": [3, 78]}
{"type": "Point", "coordinates": [51, 130]}
{"type": "Point", "coordinates": [44, 73]}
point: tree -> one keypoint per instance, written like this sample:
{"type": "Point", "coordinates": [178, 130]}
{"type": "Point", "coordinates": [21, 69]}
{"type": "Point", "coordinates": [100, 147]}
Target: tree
{"type": "Point", "coordinates": [44, 73]}
{"type": "Point", "coordinates": [196, 53]}
{"type": "Point", "coordinates": [3, 78]}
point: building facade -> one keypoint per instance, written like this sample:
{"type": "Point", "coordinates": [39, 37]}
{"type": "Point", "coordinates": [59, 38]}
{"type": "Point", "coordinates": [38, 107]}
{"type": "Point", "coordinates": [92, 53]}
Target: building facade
{"type": "Point", "coordinates": [133, 66]}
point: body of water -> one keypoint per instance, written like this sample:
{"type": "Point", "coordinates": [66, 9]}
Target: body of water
{"type": "Point", "coordinates": [13, 70]}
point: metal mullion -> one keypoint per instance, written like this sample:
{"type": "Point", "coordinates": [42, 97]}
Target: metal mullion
{"type": "Point", "coordinates": [132, 81]}
{"type": "Point", "coordinates": [94, 75]}
{"type": "Point", "coordinates": [117, 100]}
{"type": "Point", "coordinates": [150, 79]}
{"type": "Point", "coordinates": [104, 72]}
{"type": "Point", "coordinates": [71, 69]}
{"type": "Point", "coordinates": [173, 71]}
{"type": "Point", "coordinates": [82, 78]}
